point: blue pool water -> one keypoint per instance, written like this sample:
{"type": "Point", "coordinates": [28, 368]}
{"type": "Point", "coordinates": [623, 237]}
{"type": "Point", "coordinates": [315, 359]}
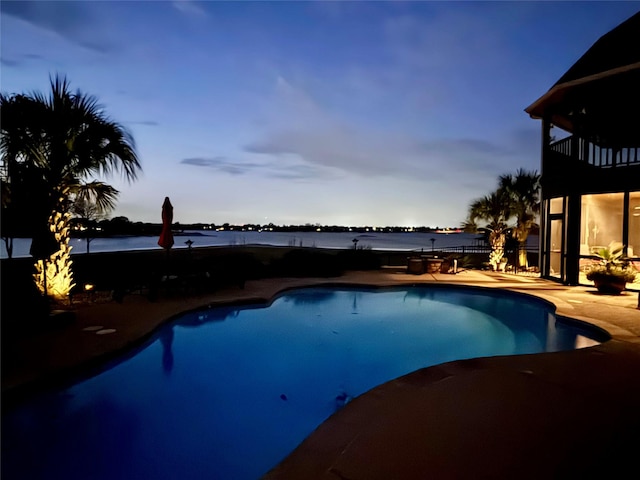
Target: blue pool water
{"type": "Point", "coordinates": [226, 393]}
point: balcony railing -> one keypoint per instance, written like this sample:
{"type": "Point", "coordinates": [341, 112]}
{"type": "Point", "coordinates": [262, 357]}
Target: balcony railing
{"type": "Point", "coordinates": [596, 155]}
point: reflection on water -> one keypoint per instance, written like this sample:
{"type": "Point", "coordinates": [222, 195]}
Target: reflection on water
{"type": "Point", "coordinates": [218, 314]}
{"type": "Point", "coordinates": [308, 297]}
{"type": "Point", "coordinates": [166, 339]}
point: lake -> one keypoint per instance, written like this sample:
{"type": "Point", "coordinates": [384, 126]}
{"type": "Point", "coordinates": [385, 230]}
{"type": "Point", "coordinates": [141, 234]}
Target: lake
{"type": "Point", "coordinates": [375, 240]}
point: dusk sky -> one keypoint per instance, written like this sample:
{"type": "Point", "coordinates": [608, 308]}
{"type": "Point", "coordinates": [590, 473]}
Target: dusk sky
{"type": "Point", "coordinates": [338, 113]}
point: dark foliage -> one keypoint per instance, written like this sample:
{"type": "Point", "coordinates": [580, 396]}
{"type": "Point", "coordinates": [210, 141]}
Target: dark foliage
{"type": "Point", "coordinates": [306, 263]}
{"type": "Point", "coordinates": [359, 259]}
{"type": "Point", "coordinates": [22, 305]}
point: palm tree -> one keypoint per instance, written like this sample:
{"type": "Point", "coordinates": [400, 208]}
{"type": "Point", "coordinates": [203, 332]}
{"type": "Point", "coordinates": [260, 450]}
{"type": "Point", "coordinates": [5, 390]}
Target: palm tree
{"type": "Point", "coordinates": [53, 146]}
{"type": "Point", "coordinates": [524, 190]}
{"type": "Point", "coordinates": [91, 203]}
{"type": "Point", "coordinates": [494, 210]}
{"type": "Point", "coordinates": [21, 183]}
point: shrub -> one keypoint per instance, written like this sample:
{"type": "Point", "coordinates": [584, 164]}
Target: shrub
{"type": "Point", "coordinates": [360, 259]}
{"type": "Point", "coordinates": [307, 263]}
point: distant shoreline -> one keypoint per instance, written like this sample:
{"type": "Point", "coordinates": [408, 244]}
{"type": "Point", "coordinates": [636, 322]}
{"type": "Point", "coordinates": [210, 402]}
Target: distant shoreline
{"type": "Point", "coordinates": [382, 241]}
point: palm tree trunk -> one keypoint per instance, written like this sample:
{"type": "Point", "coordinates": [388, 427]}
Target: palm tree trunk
{"type": "Point", "coordinates": [497, 241]}
{"type": "Point", "coordinates": [56, 276]}
{"type": "Point", "coordinates": [523, 261]}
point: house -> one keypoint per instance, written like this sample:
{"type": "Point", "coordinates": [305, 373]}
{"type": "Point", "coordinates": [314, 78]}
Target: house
{"type": "Point", "coordinates": [590, 164]}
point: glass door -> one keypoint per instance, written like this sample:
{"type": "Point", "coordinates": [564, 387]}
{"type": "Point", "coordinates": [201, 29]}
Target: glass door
{"type": "Point", "coordinates": [555, 247]}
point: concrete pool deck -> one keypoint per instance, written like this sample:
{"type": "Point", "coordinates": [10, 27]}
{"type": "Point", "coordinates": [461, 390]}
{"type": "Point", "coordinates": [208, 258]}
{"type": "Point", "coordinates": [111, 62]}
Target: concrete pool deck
{"type": "Point", "coordinates": [554, 415]}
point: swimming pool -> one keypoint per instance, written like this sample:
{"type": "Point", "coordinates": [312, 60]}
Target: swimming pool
{"type": "Point", "coordinates": [228, 392]}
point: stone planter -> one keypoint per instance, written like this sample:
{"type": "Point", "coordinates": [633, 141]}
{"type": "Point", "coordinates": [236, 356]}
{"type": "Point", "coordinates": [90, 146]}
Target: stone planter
{"type": "Point", "coordinates": [610, 286]}
{"type": "Point", "coordinates": [432, 265]}
{"type": "Point", "coordinates": [415, 266]}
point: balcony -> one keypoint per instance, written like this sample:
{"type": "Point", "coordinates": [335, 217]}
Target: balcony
{"type": "Point", "coordinates": [580, 149]}
{"type": "Point", "coordinates": [574, 165]}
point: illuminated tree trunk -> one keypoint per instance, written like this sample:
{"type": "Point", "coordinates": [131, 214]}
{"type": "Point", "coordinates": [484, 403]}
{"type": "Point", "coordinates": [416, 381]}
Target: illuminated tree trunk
{"type": "Point", "coordinates": [523, 259]}
{"type": "Point", "coordinates": [497, 242]}
{"type": "Point", "coordinates": [59, 275]}
{"type": "Point", "coordinates": [521, 234]}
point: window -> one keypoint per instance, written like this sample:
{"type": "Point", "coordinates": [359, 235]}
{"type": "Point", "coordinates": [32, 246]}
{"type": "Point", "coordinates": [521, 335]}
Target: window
{"type": "Point", "coordinates": [601, 221]}
{"type": "Point", "coordinates": [555, 248]}
{"type": "Point", "coordinates": [555, 205]}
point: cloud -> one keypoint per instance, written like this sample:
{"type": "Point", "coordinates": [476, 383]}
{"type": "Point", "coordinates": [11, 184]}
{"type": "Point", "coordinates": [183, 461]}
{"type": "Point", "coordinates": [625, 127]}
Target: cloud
{"type": "Point", "coordinates": [203, 162]}
{"type": "Point", "coordinates": [295, 172]}
{"type": "Point", "coordinates": [344, 149]}
{"type": "Point", "coordinates": [299, 127]}
{"type": "Point", "coordinates": [7, 62]}
{"type": "Point", "coordinates": [189, 7]}
{"type": "Point", "coordinates": [20, 59]}
{"type": "Point", "coordinates": [287, 170]}
{"type": "Point", "coordinates": [466, 152]}
{"type": "Point", "coordinates": [73, 21]}
{"type": "Point", "coordinates": [448, 39]}
{"type": "Point", "coordinates": [331, 10]}
{"type": "Point", "coordinates": [423, 62]}
{"type": "Point", "coordinates": [376, 154]}
{"type": "Point", "coordinates": [147, 123]}
{"type": "Point", "coordinates": [222, 164]}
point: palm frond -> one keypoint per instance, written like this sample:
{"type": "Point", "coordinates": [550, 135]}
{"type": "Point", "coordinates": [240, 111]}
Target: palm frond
{"type": "Point", "coordinates": [97, 193]}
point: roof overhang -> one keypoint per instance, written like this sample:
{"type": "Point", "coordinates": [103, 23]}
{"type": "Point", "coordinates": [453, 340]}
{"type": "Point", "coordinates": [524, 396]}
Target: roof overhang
{"type": "Point", "coordinates": [557, 93]}
{"type": "Point", "coordinates": [603, 106]}
{"type": "Point", "coordinates": [599, 96]}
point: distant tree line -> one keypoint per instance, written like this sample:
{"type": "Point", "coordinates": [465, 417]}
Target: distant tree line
{"type": "Point", "coordinates": [82, 226]}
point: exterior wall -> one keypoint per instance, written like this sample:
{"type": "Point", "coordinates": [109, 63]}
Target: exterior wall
{"type": "Point", "coordinates": [572, 235]}
{"type": "Point", "coordinates": [571, 178]}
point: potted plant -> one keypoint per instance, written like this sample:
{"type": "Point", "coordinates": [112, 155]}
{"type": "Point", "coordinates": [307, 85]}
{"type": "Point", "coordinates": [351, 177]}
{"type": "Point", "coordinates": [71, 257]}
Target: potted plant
{"type": "Point", "coordinates": [612, 272]}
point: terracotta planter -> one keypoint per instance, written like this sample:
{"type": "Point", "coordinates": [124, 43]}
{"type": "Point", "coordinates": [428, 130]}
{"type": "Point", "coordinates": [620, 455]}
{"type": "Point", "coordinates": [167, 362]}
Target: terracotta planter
{"type": "Point", "coordinates": [612, 286]}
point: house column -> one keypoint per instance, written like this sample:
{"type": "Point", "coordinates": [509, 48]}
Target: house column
{"type": "Point", "coordinates": [543, 243]}
{"type": "Point", "coordinates": [626, 221]}
{"type": "Point", "coordinates": [572, 240]}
